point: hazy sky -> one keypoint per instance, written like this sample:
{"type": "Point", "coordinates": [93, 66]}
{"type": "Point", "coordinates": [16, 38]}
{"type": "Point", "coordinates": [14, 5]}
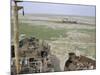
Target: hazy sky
{"type": "Point", "coordinates": [63, 9]}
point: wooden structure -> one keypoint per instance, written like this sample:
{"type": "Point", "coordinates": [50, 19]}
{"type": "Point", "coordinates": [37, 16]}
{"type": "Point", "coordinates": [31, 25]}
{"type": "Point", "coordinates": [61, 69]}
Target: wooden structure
{"type": "Point", "coordinates": [16, 34]}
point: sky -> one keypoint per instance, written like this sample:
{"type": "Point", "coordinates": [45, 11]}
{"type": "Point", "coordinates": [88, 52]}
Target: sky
{"type": "Point", "coordinates": [57, 9]}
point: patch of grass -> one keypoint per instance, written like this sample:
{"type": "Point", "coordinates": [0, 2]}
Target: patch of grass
{"type": "Point", "coordinates": [87, 31]}
{"type": "Point", "coordinates": [41, 32]}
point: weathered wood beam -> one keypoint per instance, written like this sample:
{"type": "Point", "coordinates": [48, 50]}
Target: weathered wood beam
{"type": "Point", "coordinates": [18, 7]}
{"type": "Point", "coordinates": [16, 38]}
{"type": "Point", "coordinates": [18, 0]}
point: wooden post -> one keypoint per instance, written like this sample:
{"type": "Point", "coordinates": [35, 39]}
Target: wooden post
{"type": "Point", "coordinates": [16, 38]}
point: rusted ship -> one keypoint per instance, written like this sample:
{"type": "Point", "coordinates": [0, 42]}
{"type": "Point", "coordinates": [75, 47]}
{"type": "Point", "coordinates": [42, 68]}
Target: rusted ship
{"type": "Point", "coordinates": [33, 56]}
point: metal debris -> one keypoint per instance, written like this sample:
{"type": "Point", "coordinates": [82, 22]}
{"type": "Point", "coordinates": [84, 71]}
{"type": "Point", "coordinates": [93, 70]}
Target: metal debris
{"type": "Point", "coordinates": [79, 63]}
{"type": "Point", "coordinates": [33, 56]}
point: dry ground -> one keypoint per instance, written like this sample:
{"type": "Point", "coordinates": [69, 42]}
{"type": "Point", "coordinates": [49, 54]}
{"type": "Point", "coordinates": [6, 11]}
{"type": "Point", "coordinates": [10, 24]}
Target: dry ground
{"type": "Point", "coordinates": [63, 37]}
